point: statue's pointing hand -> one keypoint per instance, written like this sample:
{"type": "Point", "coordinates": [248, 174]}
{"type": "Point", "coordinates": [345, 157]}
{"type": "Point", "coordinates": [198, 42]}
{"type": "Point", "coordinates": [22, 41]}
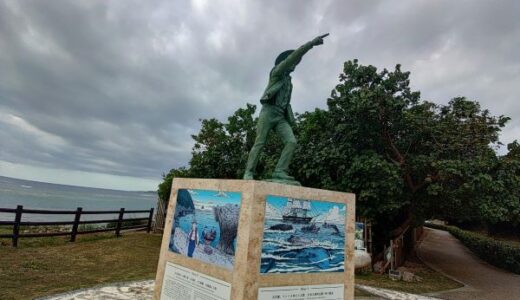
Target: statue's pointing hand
{"type": "Point", "coordinates": [319, 40]}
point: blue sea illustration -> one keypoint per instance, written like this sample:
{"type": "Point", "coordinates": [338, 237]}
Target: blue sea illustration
{"type": "Point", "coordinates": [303, 236]}
{"type": "Point", "coordinates": [205, 225]}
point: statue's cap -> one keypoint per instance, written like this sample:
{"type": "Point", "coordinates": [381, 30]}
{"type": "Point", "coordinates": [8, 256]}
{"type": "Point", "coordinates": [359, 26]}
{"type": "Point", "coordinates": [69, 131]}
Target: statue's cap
{"type": "Point", "coordinates": [282, 56]}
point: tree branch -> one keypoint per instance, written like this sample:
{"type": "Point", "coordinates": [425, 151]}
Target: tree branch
{"type": "Point", "coordinates": [399, 159]}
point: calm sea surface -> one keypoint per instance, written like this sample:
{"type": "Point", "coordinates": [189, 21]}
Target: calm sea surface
{"type": "Point", "coordinates": [39, 195]}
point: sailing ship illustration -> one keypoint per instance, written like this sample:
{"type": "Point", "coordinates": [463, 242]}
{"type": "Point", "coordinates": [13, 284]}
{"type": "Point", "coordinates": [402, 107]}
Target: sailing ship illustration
{"type": "Point", "coordinates": [297, 211]}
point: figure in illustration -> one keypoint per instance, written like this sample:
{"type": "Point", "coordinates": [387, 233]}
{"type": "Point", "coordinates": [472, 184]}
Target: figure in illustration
{"type": "Point", "coordinates": [205, 226]}
{"type": "Point", "coordinates": [277, 113]}
{"type": "Point", "coordinates": [193, 239]}
{"type": "Point", "coordinates": [209, 236]}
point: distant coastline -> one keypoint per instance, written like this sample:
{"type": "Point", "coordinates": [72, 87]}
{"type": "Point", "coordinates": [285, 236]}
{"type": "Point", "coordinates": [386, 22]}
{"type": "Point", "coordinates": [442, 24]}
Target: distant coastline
{"type": "Point", "coordinates": [43, 195]}
{"type": "Point", "coordinates": [67, 185]}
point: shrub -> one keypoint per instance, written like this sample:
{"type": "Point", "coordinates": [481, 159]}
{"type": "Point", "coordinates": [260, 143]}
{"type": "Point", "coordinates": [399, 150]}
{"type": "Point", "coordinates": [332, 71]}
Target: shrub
{"type": "Point", "coordinates": [497, 253]}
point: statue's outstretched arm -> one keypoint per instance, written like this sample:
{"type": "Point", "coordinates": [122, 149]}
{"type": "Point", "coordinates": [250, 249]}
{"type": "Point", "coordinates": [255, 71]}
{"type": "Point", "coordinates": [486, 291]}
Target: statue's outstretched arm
{"type": "Point", "coordinates": [294, 58]}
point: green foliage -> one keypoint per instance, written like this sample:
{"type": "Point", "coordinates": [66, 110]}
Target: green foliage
{"type": "Point", "coordinates": [498, 253]}
{"type": "Point", "coordinates": [504, 205]}
{"type": "Point", "coordinates": [165, 187]}
{"type": "Point", "coordinates": [514, 150]}
{"type": "Point", "coordinates": [349, 147]}
{"type": "Point", "coordinates": [220, 149]}
{"type": "Point", "coordinates": [403, 157]}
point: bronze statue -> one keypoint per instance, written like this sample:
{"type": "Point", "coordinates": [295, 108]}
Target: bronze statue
{"type": "Point", "coordinates": [277, 113]}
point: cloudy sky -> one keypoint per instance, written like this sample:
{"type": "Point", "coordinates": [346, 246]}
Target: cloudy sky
{"type": "Point", "coordinates": [106, 93]}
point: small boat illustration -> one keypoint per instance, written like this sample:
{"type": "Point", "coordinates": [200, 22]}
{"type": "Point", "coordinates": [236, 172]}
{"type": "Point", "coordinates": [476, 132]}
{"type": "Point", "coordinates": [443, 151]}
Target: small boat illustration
{"type": "Point", "coordinates": [296, 211]}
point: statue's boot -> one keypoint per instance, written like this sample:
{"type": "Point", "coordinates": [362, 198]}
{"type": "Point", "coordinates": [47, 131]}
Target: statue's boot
{"type": "Point", "coordinates": [248, 176]}
{"type": "Point", "coordinates": [281, 175]}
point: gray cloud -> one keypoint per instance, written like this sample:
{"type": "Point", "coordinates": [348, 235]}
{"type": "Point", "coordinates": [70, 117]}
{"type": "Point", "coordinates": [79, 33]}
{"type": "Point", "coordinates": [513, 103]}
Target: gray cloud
{"type": "Point", "coordinates": [117, 87]}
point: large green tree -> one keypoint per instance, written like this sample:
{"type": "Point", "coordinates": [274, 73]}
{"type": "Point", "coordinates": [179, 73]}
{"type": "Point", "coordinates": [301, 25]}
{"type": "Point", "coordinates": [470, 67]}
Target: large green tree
{"type": "Point", "coordinates": [405, 158]}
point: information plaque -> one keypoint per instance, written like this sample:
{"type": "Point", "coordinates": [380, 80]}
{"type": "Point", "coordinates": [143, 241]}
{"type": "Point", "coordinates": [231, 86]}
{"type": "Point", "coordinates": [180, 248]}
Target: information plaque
{"type": "Point", "coordinates": [184, 284]}
{"type": "Point", "coordinates": [305, 292]}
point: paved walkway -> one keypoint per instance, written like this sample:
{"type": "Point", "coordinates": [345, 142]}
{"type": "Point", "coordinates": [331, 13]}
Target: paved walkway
{"type": "Point", "coordinates": [136, 290]}
{"type": "Point", "coordinates": [143, 290]}
{"type": "Point", "coordinates": [444, 253]}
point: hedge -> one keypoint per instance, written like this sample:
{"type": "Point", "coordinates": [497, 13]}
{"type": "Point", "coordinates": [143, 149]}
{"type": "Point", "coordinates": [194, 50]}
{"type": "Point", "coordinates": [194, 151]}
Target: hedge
{"type": "Point", "coordinates": [498, 253]}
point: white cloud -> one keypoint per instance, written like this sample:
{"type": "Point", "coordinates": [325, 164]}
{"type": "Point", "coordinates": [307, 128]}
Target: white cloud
{"type": "Point", "coordinates": [118, 87]}
{"type": "Point", "coordinates": [20, 126]}
{"type": "Point", "coordinates": [334, 215]}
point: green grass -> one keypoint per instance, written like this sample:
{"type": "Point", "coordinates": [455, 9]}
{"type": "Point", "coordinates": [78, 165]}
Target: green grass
{"type": "Point", "coordinates": [432, 281]}
{"type": "Point", "coordinates": [46, 266]}
{"type": "Point", "coordinates": [53, 240]}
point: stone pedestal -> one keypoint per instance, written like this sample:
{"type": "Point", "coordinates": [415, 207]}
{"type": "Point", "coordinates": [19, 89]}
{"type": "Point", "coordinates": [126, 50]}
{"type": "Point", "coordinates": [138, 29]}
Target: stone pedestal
{"type": "Point", "coordinates": [247, 239]}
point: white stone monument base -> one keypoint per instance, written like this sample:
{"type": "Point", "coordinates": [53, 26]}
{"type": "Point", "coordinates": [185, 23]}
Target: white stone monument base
{"type": "Point", "coordinates": [281, 244]}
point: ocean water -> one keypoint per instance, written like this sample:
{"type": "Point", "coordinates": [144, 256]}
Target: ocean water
{"type": "Point", "coordinates": [297, 251]}
{"type": "Point", "coordinates": [40, 195]}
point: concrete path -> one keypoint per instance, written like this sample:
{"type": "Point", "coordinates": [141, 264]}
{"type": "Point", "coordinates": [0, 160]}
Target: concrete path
{"type": "Point", "coordinates": [136, 290]}
{"type": "Point", "coordinates": [444, 253]}
{"type": "Point", "coordinates": [143, 290]}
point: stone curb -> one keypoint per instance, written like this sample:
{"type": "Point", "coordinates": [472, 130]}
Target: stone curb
{"type": "Point", "coordinates": [391, 294]}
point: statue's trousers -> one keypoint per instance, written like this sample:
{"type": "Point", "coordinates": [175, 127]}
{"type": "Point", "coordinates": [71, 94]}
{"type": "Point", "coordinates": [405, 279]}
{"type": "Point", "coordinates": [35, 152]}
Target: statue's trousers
{"type": "Point", "coordinates": [272, 117]}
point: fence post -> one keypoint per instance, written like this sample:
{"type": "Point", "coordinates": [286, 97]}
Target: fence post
{"type": "Point", "coordinates": [75, 225]}
{"type": "Point", "coordinates": [16, 226]}
{"type": "Point", "coordinates": [120, 221]}
{"type": "Point", "coordinates": [150, 218]}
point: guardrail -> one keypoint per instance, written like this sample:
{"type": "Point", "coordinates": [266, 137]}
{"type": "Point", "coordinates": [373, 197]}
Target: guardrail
{"type": "Point", "coordinates": [19, 211]}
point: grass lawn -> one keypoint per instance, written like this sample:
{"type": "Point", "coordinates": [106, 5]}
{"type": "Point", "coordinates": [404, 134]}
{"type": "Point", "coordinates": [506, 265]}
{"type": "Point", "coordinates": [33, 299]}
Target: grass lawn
{"type": "Point", "coordinates": [46, 266]}
{"type": "Point", "coordinates": [432, 281]}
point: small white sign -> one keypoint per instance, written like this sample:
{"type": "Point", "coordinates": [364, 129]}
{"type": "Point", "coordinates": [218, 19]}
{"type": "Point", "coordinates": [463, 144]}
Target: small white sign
{"type": "Point", "coordinates": [304, 292]}
{"type": "Point", "coordinates": [180, 283]}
